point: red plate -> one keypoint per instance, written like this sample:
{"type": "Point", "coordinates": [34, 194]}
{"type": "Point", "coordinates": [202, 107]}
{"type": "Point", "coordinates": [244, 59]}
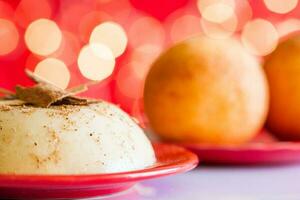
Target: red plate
{"type": "Point", "coordinates": [171, 160]}
{"type": "Point", "coordinates": [264, 149]}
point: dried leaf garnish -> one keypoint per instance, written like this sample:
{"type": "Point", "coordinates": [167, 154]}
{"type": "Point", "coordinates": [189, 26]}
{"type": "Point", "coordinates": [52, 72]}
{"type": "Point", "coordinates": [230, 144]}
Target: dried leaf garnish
{"type": "Point", "coordinates": [45, 94]}
{"type": "Point", "coordinates": [8, 95]}
{"type": "Point", "coordinates": [6, 92]}
{"type": "Point", "coordinates": [71, 100]}
{"type": "Point", "coordinates": [36, 78]}
{"type": "Point", "coordinates": [14, 102]}
{"type": "Point", "coordinates": [81, 88]}
{"type": "Point", "coordinates": [78, 89]}
{"type": "Point", "coordinates": [42, 95]}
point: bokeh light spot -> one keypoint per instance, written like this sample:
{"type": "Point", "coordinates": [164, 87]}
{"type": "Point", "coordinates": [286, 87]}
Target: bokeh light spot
{"type": "Point", "coordinates": [30, 10]}
{"type": "Point", "coordinates": [54, 71]}
{"type": "Point", "coordinates": [43, 37]}
{"type": "Point", "coordinates": [142, 58]}
{"type": "Point", "coordinates": [96, 61]}
{"type": "Point", "coordinates": [281, 6]}
{"type": "Point", "coordinates": [184, 27]}
{"type": "Point", "coordinates": [112, 35]}
{"type": "Point", "coordinates": [288, 26]}
{"type": "Point", "coordinates": [130, 78]}
{"type": "Point", "coordinates": [103, 1]}
{"type": "Point", "coordinates": [243, 12]}
{"type": "Point", "coordinates": [69, 48]}
{"type": "Point", "coordinates": [216, 10]}
{"type": "Point", "coordinates": [71, 15]}
{"type": "Point", "coordinates": [146, 30]}
{"type": "Point", "coordinates": [259, 37]}
{"type": "Point", "coordinates": [89, 22]}
{"type": "Point", "coordinates": [120, 10]}
{"type": "Point", "coordinates": [129, 83]}
{"type": "Point", "coordinates": [32, 60]}
{"type": "Point", "coordinates": [9, 37]}
{"type": "Point", "coordinates": [219, 30]}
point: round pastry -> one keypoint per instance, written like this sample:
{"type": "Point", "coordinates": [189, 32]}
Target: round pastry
{"type": "Point", "coordinates": [71, 139]}
{"type": "Point", "coordinates": [206, 91]}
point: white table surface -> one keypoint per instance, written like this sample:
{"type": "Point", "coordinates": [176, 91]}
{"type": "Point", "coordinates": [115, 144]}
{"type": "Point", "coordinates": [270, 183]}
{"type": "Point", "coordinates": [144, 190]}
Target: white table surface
{"type": "Point", "coordinates": [221, 183]}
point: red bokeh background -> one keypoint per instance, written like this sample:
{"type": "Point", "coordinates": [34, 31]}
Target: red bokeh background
{"type": "Point", "coordinates": [76, 18]}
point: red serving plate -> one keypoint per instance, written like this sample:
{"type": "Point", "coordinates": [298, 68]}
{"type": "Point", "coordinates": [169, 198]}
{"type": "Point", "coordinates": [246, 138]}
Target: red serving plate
{"type": "Point", "coordinates": [264, 149]}
{"type": "Point", "coordinates": [171, 159]}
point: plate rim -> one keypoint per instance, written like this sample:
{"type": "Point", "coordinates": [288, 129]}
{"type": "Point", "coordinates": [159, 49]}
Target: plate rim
{"type": "Point", "coordinates": [249, 154]}
{"type": "Point", "coordinates": [82, 180]}
{"type": "Point", "coordinates": [274, 146]}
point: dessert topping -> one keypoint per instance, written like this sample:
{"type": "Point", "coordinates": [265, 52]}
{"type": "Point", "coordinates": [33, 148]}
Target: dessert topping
{"type": "Point", "coordinates": [44, 94]}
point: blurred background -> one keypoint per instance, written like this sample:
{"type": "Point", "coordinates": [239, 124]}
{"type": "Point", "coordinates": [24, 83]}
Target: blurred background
{"type": "Point", "coordinates": [71, 42]}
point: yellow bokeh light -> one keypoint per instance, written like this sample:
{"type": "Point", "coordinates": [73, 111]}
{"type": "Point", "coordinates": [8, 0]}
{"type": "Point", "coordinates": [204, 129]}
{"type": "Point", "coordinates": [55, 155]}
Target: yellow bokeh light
{"type": "Point", "coordinates": [259, 37]}
{"type": "Point", "coordinates": [112, 35]}
{"type": "Point", "coordinates": [281, 6]}
{"type": "Point", "coordinates": [288, 26]}
{"type": "Point", "coordinates": [43, 37]}
{"type": "Point", "coordinates": [54, 71]}
{"type": "Point", "coordinates": [216, 10]}
{"type": "Point", "coordinates": [219, 30]}
{"type": "Point", "coordinates": [9, 37]}
{"type": "Point", "coordinates": [96, 61]}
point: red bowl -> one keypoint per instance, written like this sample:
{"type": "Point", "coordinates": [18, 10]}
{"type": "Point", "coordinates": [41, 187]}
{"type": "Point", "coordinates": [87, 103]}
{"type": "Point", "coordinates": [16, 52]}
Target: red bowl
{"type": "Point", "coordinates": [264, 149]}
{"type": "Point", "coordinates": [171, 159]}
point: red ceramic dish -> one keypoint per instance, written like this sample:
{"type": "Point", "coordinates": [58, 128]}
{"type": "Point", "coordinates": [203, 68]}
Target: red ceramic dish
{"type": "Point", "coordinates": [171, 159]}
{"type": "Point", "coordinates": [264, 149]}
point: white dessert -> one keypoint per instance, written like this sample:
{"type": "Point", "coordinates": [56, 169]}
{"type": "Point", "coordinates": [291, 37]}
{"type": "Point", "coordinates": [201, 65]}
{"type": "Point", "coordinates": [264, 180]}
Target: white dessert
{"type": "Point", "coordinates": [71, 139]}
